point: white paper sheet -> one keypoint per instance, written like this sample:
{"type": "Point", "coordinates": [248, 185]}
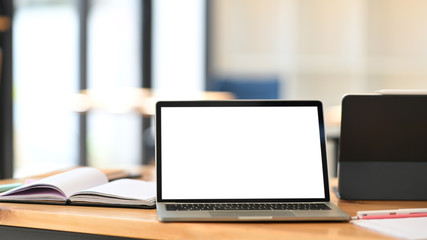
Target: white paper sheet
{"type": "Point", "coordinates": [405, 228]}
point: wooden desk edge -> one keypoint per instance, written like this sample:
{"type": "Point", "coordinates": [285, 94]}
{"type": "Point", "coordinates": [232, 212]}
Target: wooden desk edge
{"type": "Point", "coordinates": [143, 223]}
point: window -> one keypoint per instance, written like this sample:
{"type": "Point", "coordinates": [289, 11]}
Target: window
{"type": "Point", "coordinates": [45, 46]}
{"type": "Point", "coordinates": [179, 46]}
{"type": "Point", "coordinates": [63, 46]}
{"type": "Point", "coordinates": [114, 136]}
{"type": "Point", "coordinates": [47, 75]}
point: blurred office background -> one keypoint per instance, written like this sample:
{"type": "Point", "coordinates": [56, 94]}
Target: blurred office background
{"type": "Point", "coordinates": [54, 50]}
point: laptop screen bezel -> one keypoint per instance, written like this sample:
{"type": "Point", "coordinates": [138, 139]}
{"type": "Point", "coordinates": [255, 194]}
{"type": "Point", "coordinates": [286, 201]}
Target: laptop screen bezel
{"type": "Point", "coordinates": [241, 103]}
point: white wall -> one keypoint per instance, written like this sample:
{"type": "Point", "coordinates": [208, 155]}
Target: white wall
{"type": "Point", "coordinates": [323, 49]}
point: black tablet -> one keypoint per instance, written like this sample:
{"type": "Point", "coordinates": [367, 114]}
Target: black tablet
{"type": "Point", "coordinates": [383, 147]}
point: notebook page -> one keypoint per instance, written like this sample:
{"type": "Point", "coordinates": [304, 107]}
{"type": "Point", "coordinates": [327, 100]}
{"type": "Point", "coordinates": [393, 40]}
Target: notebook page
{"type": "Point", "coordinates": [75, 180]}
{"type": "Point", "coordinates": [61, 184]}
{"type": "Point", "coordinates": [124, 188]}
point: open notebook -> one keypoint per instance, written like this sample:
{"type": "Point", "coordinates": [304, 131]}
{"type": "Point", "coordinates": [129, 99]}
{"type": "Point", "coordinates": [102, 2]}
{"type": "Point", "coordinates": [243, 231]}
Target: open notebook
{"type": "Point", "coordinates": [85, 186]}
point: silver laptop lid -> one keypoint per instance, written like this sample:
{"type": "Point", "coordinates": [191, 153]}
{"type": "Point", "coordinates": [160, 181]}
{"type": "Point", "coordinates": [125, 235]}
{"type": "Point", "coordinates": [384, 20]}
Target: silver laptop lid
{"type": "Point", "coordinates": [222, 151]}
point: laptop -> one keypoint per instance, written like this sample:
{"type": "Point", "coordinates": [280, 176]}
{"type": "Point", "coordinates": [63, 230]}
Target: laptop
{"type": "Point", "coordinates": [242, 161]}
{"type": "Point", "coordinates": [383, 138]}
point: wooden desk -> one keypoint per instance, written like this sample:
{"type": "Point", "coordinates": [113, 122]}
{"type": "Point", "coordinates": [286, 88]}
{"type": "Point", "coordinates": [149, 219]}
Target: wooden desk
{"type": "Point", "coordinates": [140, 223]}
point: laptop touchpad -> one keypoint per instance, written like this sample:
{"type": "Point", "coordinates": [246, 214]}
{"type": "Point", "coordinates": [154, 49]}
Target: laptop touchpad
{"type": "Point", "coordinates": [251, 213]}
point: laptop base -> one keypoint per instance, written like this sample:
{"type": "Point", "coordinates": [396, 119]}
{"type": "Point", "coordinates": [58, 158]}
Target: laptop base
{"type": "Point", "coordinates": [334, 214]}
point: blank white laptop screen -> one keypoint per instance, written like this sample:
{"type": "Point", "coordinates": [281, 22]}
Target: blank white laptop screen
{"type": "Point", "coordinates": [241, 153]}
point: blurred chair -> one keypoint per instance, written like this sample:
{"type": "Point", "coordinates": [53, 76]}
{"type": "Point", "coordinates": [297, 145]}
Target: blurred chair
{"type": "Point", "coordinates": [248, 87]}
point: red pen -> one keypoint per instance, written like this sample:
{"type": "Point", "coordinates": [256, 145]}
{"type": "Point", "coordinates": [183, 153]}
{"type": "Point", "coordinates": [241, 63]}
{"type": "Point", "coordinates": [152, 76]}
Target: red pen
{"type": "Point", "coordinates": [407, 215]}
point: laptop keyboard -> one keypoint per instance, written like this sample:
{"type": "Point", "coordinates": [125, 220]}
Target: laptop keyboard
{"type": "Point", "coordinates": [246, 206]}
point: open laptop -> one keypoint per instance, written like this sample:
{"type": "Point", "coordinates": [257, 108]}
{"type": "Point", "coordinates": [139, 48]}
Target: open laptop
{"type": "Point", "coordinates": [242, 161]}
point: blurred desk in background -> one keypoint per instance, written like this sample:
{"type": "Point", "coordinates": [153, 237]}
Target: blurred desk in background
{"type": "Point", "coordinates": [140, 100]}
{"type": "Point", "coordinates": [333, 130]}
{"type": "Point", "coordinates": [4, 23]}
